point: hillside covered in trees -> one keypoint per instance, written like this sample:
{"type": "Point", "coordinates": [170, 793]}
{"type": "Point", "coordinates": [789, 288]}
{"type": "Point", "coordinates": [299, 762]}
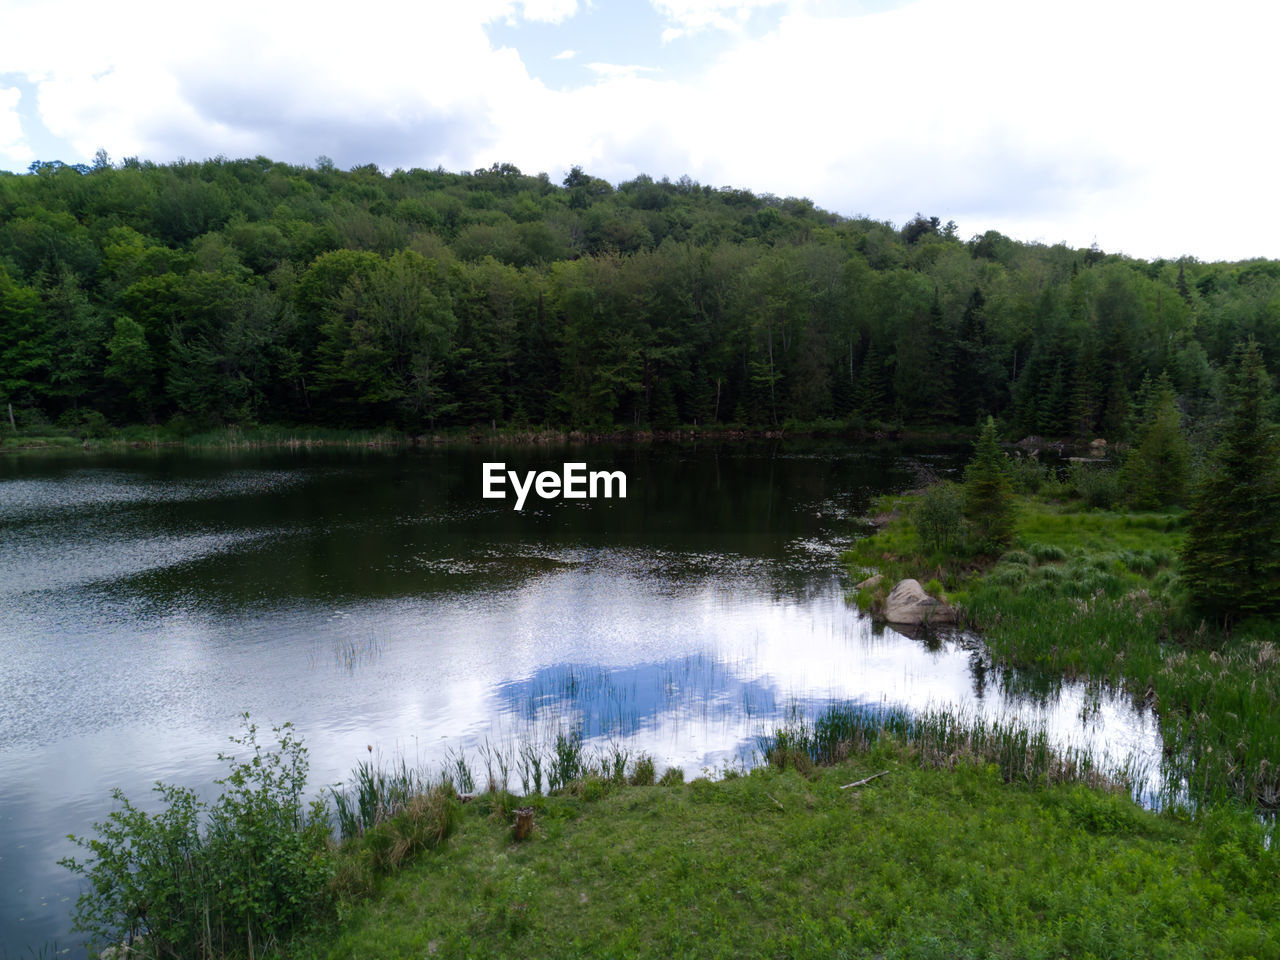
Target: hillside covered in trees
{"type": "Point", "coordinates": [249, 291]}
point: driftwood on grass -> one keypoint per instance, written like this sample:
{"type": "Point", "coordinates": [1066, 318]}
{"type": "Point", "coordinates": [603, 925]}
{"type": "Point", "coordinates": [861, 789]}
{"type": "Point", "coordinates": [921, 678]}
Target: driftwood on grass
{"type": "Point", "coordinates": [864, 782]}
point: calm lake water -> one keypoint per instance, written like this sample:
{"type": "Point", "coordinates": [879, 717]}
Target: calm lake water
{"type": "Point", "coordinates": [375, 599]}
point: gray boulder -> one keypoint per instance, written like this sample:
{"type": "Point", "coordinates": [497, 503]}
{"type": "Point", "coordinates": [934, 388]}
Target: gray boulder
{"type": "Point", "coordinates": [871, 582]}
{"type": "Point", "coordinates": [908, 603]}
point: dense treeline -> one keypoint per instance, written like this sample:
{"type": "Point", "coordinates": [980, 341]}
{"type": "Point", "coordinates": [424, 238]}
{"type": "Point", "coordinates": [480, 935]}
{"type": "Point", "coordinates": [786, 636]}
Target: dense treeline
{"type": "Point", "coordinates": [249, 291]}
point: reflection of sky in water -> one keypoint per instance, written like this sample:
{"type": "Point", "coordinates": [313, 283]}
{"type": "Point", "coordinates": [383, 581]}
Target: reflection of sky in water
{"type": "Point", "coordinates": [136, 626]}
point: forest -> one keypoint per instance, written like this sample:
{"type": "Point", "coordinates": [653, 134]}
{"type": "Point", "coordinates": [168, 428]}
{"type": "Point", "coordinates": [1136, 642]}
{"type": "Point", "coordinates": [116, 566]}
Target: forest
{"type": "Point", "coordinates": [246, 292]}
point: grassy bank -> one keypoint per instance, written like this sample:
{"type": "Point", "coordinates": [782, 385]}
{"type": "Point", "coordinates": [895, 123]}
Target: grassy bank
{"type": "Point", "coordinates": [103, 438]}
{"type": "Point", "coordinates": [861, 833]}
{"type": "Point", "coordinates": [919, 862]}
{"type": "Point", "coordinates": [230, 438]}
{"type": "Point", "coordinates": [1092, 593]}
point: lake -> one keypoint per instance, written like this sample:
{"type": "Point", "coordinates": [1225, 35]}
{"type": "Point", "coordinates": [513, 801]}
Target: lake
{"type": "Point", "coordinates": [375, 599]}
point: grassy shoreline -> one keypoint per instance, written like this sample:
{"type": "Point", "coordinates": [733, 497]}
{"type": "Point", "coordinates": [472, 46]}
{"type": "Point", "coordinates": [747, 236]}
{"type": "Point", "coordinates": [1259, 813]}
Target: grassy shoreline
{"type": "Point", "coordinates": [278, 437]}
{"type": "Point", "coordinates": [917, 861]}
{"type": "Point", "coordinates": [860, 834]}
{"type": "Point", "coordinates": [1095, 594]}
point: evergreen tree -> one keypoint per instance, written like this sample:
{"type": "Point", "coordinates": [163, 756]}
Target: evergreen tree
{"type": "Point", "coordinates": [1119, 407]}
{"type": "Point", "coordinates": [1155, 473]}
{"type": "Point", "coordinates": [871, 395]}
{"type": "Point", "coordinates": [1231, 557]}
{"type": "Point", "coordinates": [1084, 400]}
{"type": "Point", "coordinates": [988, 500]}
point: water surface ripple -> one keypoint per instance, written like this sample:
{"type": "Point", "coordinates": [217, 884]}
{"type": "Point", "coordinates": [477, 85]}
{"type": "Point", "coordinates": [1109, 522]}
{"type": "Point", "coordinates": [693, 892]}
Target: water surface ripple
{"type": "Point", "coordinates": [375, 599]}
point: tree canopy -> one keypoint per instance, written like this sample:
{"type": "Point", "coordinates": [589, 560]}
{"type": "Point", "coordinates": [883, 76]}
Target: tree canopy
{"type": "Point", "coordinates": [243, 291]}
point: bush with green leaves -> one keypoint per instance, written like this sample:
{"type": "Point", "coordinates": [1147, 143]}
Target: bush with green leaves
{"type": "Point", "coordinates": [200, 881]}
{"type": "Point", "coordinates": [939, 517]}
{"type": "Point", "coordinates": [1028, 474]}
{"type": "Point", "coordinates": [1097, 485]}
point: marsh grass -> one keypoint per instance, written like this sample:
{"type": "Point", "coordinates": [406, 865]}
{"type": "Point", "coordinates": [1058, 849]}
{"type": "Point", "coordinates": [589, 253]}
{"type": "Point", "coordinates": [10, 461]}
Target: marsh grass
{"type": "Point", "coordinates": [1096, 594]}
{"type": "Point", "coordinates": [919, 863]}
{"type": "Point", "coordinates": [940, 739]}
{"type": "Point", "coordinates": [375, 795]}
{"type": "Point", "coordinates": [264, 437]}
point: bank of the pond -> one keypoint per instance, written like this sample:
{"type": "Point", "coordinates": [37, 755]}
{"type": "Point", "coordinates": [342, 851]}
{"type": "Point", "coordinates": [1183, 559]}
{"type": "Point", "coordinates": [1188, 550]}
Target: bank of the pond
{"type": "Point", "coordinates": [285, 437]}
{"type": "Point", "coordinates": [860, 833]}
{"type": "Point", "coordinates": [1090, 593]}
{"type": "Point", "coordinates": [913, 862]}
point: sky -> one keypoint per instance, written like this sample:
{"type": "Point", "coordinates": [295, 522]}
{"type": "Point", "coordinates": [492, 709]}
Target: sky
{"type": "Point", "coordinates": [1147, 128]}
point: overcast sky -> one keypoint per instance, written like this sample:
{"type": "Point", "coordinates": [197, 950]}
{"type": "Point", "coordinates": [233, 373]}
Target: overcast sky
{"type": "Point", "coordinates": [1148, 128]}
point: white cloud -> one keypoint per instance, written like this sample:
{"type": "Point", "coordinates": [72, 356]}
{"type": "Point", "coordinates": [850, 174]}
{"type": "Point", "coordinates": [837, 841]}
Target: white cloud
{"type": "Point", "coordinates": [565, 55]}
{"type": "Point", "coordinates": [690, 16]}
{"type": "Point", "coordinates": [618, 71]}
{"type": "Point", "coordinates": [549, 11]}
{"type": "Point", "coordinates": [1113, 119]}
{"type": "Point", "coordinates": [15, 152]}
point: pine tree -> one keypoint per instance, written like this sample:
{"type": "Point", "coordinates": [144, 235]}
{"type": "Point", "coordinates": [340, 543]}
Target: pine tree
{"type": "Point", "coordinates": [988, 500]}
{"type": "Point", "coordinates": [1231, 557]}
{"type": "Point", "coordinates": [1155, 473]}
{"type": "Point", "coordinates": [871, 394]}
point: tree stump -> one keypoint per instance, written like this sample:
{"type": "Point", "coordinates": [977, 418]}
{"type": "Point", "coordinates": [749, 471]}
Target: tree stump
{"type": "Point", "coordinates": [524, 823]}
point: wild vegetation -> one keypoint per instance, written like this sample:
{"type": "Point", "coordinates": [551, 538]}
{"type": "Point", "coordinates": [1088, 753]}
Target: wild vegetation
{"type": "Point", "coordinates": [146, 300]}
{"type": "Point", "coordinates": [909, 836]}
{"type": "Point", "coordinates": [917, 863]}
{"type": "Point", "coordinates": [196, 295]}
{"type": "Point", "coordinates": [1171, 605]}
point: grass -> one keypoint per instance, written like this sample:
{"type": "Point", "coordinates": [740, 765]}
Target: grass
{"type": "Point", "coordinates": [939, 739]}
{"type": "Point", "coordinates": [1090, 593]}
{"type": "Point", "coordinates": [921, 862]}
{"type": "Point", "coordinates": [866, 832]}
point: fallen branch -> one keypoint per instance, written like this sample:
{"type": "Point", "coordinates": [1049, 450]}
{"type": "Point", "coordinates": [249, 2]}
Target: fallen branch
{"type": "Point", "coordinates": [862, 783]}
{"type": "Point", "coordinates": [774, 799]}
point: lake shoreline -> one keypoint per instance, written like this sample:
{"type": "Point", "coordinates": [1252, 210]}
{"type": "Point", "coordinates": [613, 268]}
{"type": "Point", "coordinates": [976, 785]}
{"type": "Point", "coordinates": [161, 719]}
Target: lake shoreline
{"type": "Point", "coordinates": [1092, 594]}
{"type": "Point", "coordinates": [813, 861]}
{"type": "Point", "coordinates": [281, 437]}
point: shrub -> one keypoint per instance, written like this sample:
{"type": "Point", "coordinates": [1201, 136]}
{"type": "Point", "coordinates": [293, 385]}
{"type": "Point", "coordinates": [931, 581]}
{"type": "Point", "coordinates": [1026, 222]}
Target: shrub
{"type": "Point", "coordinates": [1027, 474]}
{"type": "Point", "coordinates": [673, 776]}
{"type": "Point", "coordinates": [643, 773]}
{"type": "Point", "coordinates": [1096, 486]}
{"type": "Point", "coordinates": [939, 517]}
{"type": "Point", "coordinates": [1010, 575]}
{"type": "Point", "coordinates": [1020, 558]}
{"type": "Point", "coordinates": [1047, 552]}
{"type": "Point", "coordinates": [251, 873]}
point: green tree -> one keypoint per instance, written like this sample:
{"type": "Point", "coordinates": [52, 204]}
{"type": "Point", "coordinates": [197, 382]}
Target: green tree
{"type": "Point", "coordinates": [1231, 557]}
{"type": "Point", "coordinates": [988, 498]}
{"type": "Point", "coordinates": [26, 346]}
{"type": "Point", "coordinates": [130, 364]}
{"type": "Point", "coordinates": [1155, 473]}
